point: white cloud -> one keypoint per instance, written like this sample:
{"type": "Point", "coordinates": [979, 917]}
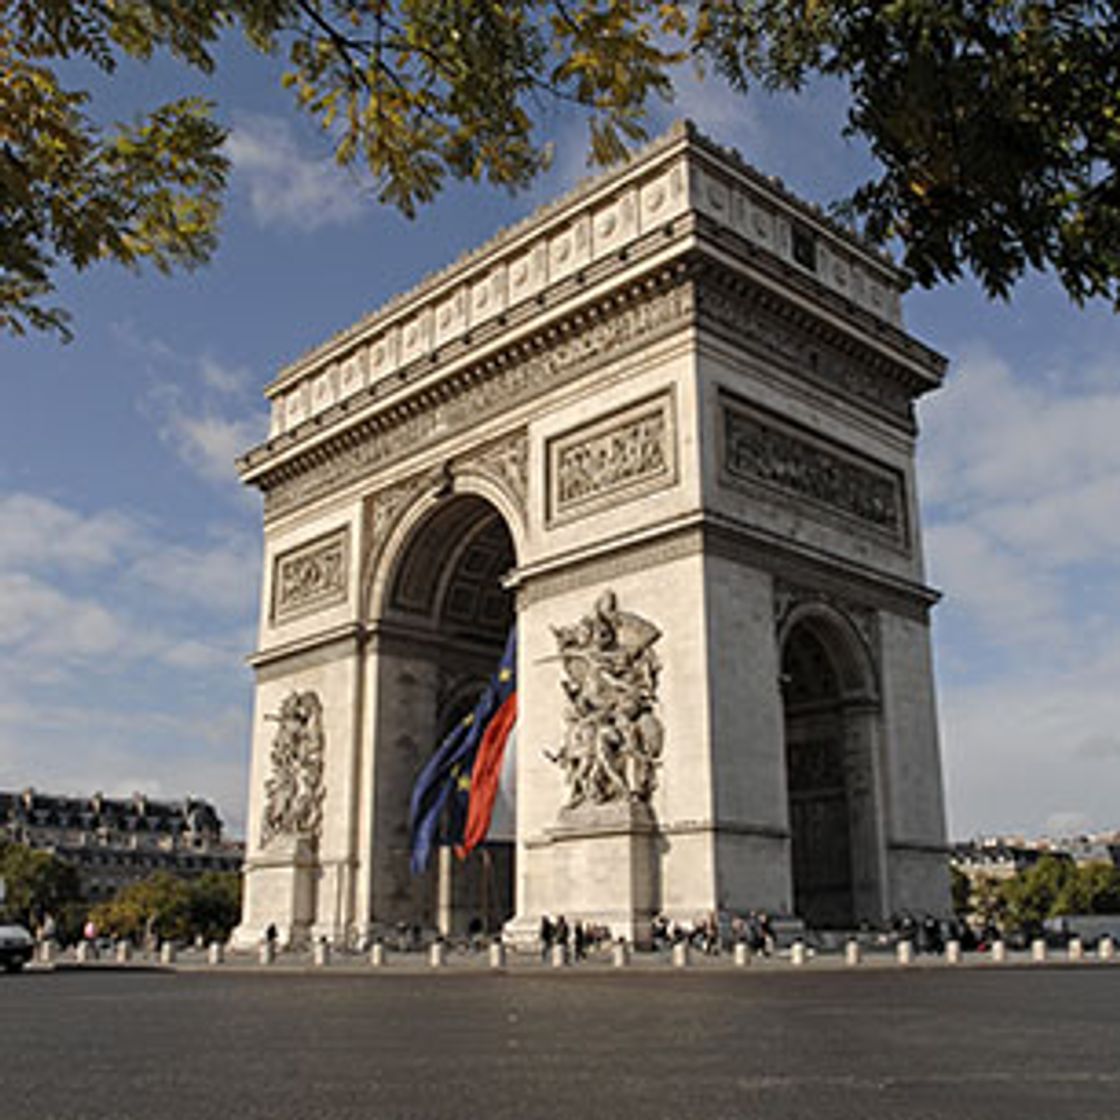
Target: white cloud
{"type": "Point", "coordinates": [1099, 747]}
{"type": "Point", "coordinates": [1028, 745]}
{"type": "Point", "coordinates": [121, 654]}
{"type": "Point", "coordinates": [1018, 472]}
{"type": "Point", "coordinates": [39, 530]}
{"type": "Point", "coordinates": [209, 443]}
{"type": "Point", "coordinates": [202, 407]}
{"type": "Point", "coordinates": [993, 436]}
{"type": "Point", "coordinates": [230, 380]}
{"type": "Point", "coordinates": [40, 621]}
{"type": "Point", "coordinates": [287, 187]}
{"type": "Point", "coordinates": [162, 756]}
{"type": "Point", "coordinates": [222, 577]}
{"type": "Point", "coordinates": [999, 588]}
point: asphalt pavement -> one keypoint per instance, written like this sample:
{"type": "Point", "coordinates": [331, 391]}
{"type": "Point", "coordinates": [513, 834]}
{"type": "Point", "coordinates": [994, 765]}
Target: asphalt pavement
{"type": "Point", "coordinates": [825, 1044]}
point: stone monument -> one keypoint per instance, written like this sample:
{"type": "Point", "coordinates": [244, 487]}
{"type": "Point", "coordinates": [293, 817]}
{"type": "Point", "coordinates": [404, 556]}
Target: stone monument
{"type": "Point", "coordinates": [666, 426]}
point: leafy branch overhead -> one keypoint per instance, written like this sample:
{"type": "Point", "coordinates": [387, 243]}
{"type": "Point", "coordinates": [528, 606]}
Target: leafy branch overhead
{"type": "Point", "coordinates": [995, 123]}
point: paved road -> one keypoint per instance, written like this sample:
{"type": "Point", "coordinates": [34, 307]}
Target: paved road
{"type": "Point", "coordinates": [865, 1045]}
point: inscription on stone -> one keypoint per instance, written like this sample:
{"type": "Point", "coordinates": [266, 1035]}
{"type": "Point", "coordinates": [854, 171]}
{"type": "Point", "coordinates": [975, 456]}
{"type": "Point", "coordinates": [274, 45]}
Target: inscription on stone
{"type": "Point", "coordinates": [803, 466]}
{"type": "Point", "coordinates": [311, 576]}
{"type": "Point", "coordinates": [621, 456]}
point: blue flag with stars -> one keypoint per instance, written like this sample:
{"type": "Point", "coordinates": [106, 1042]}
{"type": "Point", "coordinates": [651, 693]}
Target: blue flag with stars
{"type": "Point", "coordinates": [446, 777]}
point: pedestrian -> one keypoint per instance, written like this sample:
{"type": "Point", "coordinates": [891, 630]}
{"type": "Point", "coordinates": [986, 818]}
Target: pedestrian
{"type": "Point", "coordinates": [271, 934]}
{"type": "Point", "coordinates": [562, 932]}
{"type": "Point", "coordinates": [766, 928]}
{"type": "Point", "coordinates": [579, 941]}
{"type": "Point", "coordinates": [546, 935]}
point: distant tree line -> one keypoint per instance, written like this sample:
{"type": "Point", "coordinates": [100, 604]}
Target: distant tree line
{"type": "Point", "coordinates": [41, 889]}
{"type": "Point", "coordinates": [1050, 888]}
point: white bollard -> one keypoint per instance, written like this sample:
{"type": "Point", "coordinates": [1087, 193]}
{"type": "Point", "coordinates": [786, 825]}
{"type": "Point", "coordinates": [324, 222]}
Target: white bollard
{"type": "Point", "coordinates": [1075, 949]}
{"type": "Point", "coordinates": [268, 952]}
{"type": "Point", "coordinates": [797, 954]}
{"type": "Point", "coordinates": [321, 954]}
{"type": "Point", "coordinates": [905, 950]}
{"type": "Point", "coordinates": [1038, 950]}
{"type": "Point", "coordinates": [497, 955]}
{"type": "Point", "coordinates": [952, 952]}
{"type": "Point", "coordinates": [999, 952]}
{"type": "Point", "coordinates": [620, 954]}
{"type": "Point", "coordinates": [1105, 948]}
{"type": "Point", "coordinates": [83, 953]}
{"type": "Point", "coordinates": [167, 953]}
{"type": "Point", "coordinates": [559, 955]}
{"type": "Point", "coordinates": [123, 950]}
{"type": "Point", "coordinates": [377, 954]}
{"type": "Point", "coordinates": [681, 955]}
{"type": "Point", "coordinates": [216, 954]}
{"type": "Point", "coordinates": [437, 954]}
{"type": "Point", "coordinates": [742, 954]}
{"type": "Point", "coordinates": [852, 952]}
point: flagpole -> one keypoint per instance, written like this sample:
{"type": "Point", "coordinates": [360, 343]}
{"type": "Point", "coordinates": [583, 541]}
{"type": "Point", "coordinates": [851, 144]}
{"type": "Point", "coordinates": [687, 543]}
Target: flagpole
{"type": "Point", "coordinates": [486, 871]}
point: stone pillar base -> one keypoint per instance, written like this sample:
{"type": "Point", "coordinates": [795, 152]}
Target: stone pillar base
{"type": "Point", "coordinates": [603, 871]}
{"type": "Point", "coordinates": [279, 891]}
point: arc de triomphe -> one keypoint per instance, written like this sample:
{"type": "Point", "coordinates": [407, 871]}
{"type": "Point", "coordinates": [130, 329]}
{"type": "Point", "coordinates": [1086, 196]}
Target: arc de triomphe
{"type": "Point", "coordinates": [666, 426]}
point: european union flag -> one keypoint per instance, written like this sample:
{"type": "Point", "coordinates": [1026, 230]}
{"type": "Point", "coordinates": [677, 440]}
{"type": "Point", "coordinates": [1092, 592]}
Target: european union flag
{"type": "Point", "coordinates": [487, 770]}
{"type": "Point", "coordinates": [446, 775]}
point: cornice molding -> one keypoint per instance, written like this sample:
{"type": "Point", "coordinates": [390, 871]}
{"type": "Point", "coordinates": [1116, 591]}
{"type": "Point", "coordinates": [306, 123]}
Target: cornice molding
{"type": "Point", "coordinates": [635, 315]}
{"type": "Point", "coordinates": [691, 289]}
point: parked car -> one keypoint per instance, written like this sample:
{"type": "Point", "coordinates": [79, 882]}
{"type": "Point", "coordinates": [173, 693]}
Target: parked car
{"type": "Point", "coordinates": [17, 947]}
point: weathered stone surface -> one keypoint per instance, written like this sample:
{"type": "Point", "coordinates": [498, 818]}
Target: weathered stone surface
{"type": "Point", "coordinates": [665, 427]}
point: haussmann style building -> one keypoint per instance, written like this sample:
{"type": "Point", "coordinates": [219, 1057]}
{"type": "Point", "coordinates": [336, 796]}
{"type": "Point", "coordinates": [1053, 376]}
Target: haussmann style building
{"type": "Point", "coordinates": [115, 841]}
{"type": "Point", "coordinates": [666, 426]}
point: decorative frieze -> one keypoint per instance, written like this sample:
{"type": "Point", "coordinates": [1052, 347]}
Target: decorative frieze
{"type": "Point", "coordinates": [505, 462]}
{"type": "Point", "coordinates": [466, 400]}
{"type": "Point", "coordinates": [616, 458]}
{"type": "Point", "coordinates": [748, 324]}
{"type": "Point", "coordinates": [312, 576]}
{"type": "Point", "coordinates": [760, 449]}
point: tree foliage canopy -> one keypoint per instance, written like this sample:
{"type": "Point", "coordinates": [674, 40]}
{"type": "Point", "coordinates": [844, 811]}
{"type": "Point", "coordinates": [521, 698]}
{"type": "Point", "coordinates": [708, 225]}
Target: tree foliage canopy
{"type": "Point", "coordinates": [36, 883]}
{"type": "Point", "coordinates": [167, 907]}
{"type": "Point", "coordinates": [995, 123]}
{"type": "Point", "coordinates": [1054, 886]}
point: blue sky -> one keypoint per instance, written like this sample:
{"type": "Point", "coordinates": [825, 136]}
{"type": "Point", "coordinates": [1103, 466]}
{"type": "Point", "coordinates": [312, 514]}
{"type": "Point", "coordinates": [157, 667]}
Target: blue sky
{"type": "Point", "coordinates": [129, 553]}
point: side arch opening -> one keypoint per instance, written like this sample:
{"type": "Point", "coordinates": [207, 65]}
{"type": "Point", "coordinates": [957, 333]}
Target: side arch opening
{"type": "Point", "coordinates": [830, 713]}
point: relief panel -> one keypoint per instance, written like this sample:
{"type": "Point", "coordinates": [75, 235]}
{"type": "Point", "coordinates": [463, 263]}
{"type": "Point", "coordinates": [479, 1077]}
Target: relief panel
{"type": "Point", "coordinates": [760, 450]}
{"type": "Point", "coordinates": [311, 577]}
{"type": "Point", "coordinates": [619, 457]}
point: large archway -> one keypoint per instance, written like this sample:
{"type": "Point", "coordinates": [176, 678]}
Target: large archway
{"type": "Point", "coordinates": [830, 710]}
{"type": "Point", "coordinates": [448, 614]}
{"type": "Point", "coordinates": [622, 379]}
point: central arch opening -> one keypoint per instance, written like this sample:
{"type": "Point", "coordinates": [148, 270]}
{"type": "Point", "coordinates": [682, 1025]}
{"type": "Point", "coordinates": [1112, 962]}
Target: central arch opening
{"type": "Point", "coordinates": [446, 590]}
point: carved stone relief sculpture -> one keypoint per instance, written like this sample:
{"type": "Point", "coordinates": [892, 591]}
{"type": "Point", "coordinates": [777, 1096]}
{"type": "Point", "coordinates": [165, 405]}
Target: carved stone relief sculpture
{"type": "Point", "coordinates": [868, 493]}
{"type": "Point", "coordinates": [613, 738]}
{"type": "Point", "coordinates": [621, 456]}
{"type": "Point", "coordinates": [312, 576]}
{"type": "Point", "coordinates": [294, 790]}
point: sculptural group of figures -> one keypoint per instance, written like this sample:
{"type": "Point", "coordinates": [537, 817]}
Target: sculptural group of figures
{"type": "Point", "coordinates": [613, 739]}
{"type": "Point", "coordinates": [294, 789]}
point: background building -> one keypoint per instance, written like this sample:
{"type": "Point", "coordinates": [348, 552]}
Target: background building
{"type": "Point", "coordinates": [116, 841]}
